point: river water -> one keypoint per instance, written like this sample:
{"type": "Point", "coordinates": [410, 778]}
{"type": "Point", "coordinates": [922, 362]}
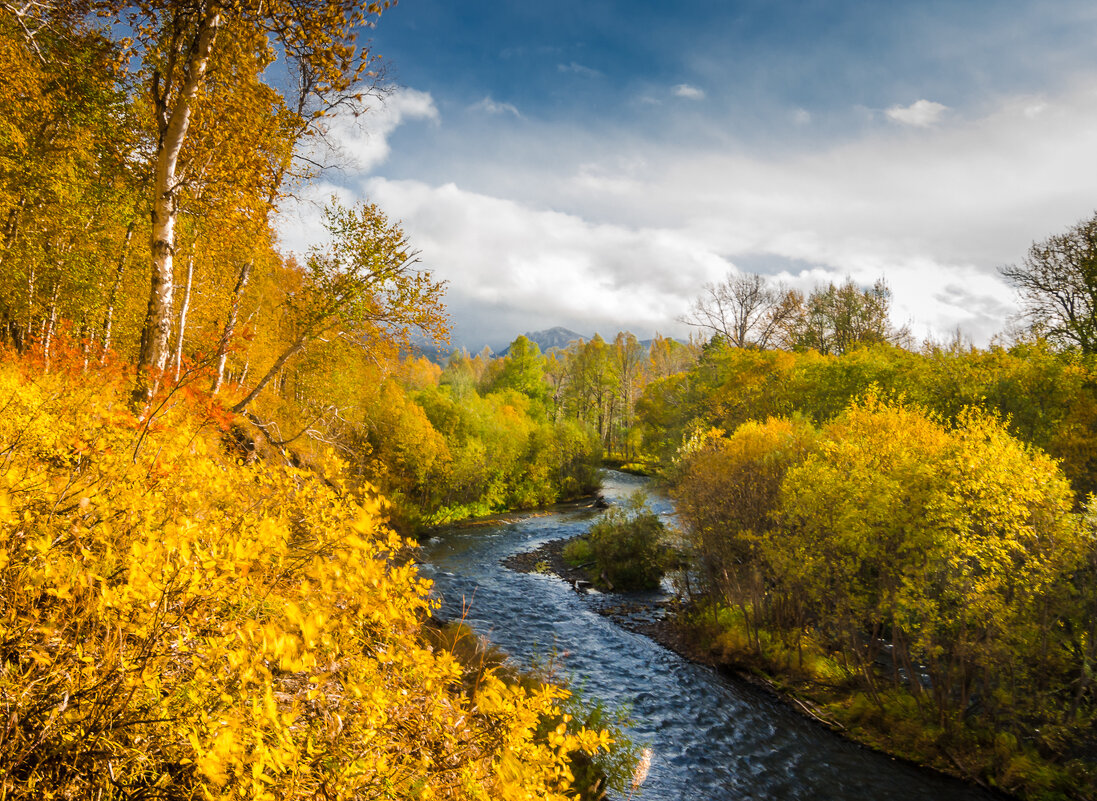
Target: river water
{"type": "Point", "coordinates": [712, 738]}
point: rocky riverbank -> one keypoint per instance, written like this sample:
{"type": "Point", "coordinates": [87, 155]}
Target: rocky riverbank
{"type": "Point", "coordinates": [655, 620]}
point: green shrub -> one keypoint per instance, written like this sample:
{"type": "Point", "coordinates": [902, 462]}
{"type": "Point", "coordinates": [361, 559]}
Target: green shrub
{"type": "Point", "coordinates": [578, 553]}
{"type": "Point", "coordinates": [627, 547]}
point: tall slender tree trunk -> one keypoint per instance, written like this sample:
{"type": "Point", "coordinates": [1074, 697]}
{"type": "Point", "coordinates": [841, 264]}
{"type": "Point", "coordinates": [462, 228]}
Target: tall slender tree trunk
{"type": "Point", "coordinates": [230, 324]}
{"type": "Point", "coordinates": [183, 316]}
{"type": "Point", "coordinates": [108, 315]}
{"type": "Point", "coordinates": [51, 325]}
{"type": "Point", "coordinates": [173, 127]}
{"type": "Point", "coordinates": [11, 226]}
{"type": "Point", "coordinates": [247, 358]}
{"type": "Point", "coordinates": [87, 341]}
{"type": "Point", "coordinates": [28, 319]}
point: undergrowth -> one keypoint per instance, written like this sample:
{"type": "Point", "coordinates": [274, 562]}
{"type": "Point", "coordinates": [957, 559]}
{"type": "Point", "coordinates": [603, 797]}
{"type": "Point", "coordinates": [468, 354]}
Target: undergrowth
{"type": "Point", "coordinates": [178, 623]}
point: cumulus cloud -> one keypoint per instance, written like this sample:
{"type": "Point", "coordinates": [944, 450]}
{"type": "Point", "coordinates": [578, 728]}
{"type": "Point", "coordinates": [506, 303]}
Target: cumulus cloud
{"type": "Point", "coordinates": [920, 114]}
{"type": "Point", "coordinates": [512, 261]}
{"type": "Point", "coordinates": [689, 92]}
{"type": "Point", "coordinates": [624, 237]}
{"type": "Point", "coordinates": [492, 107]}
{"type": "Point", "coordinates": [353, 146]}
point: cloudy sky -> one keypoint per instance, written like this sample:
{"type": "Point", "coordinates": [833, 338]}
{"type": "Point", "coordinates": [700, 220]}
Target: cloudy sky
{"type": "Point", "coordinates": [594, 164]}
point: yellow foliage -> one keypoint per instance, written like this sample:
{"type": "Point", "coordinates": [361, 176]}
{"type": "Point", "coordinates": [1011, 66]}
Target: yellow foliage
{"type": "Point", "coordinates": [172, 618]}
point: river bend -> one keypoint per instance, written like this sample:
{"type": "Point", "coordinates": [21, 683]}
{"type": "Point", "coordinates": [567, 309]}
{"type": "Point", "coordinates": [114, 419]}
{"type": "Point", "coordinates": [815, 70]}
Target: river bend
{"type": "Point", "coordinates": [712, 738]}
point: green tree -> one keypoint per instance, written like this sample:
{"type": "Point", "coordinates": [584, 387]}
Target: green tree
{"type": "Point", "coordinates": [627, 544]}
{"type": "Point", "coordinates": [834, 319]}
{"type": "Point", "coordinates": [627, 357]}
{"type": "Point", "coordinates": [522, 369]}
{"type": "Point", "coordinates": [590, 388]}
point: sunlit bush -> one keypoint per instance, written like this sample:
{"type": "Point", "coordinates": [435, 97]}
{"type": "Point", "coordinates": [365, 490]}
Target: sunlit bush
{"type": "Point", "coordinates": [175, 623]}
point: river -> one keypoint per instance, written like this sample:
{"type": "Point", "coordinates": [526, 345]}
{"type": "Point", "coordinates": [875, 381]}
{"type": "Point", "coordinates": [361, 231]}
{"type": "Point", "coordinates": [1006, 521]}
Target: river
{"type": "Point", "coordinates": [712, 738]}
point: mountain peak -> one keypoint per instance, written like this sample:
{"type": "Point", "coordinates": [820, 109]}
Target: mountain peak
{"type": "Point", "coordinates": [555, 338]}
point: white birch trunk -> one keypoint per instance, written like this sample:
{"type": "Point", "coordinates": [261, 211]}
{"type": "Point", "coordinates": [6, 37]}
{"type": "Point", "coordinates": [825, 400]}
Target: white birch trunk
{"type": "Point", "coordinates": [173, 132]}
{"type": "Point", "coordinates": [230, 325]}
{"type": "Point", "coordinates": [183, 317]}
{"type": "Point", "coordinates": [108, 316]}
{"type": "Point", "coordinates": [51, 325]}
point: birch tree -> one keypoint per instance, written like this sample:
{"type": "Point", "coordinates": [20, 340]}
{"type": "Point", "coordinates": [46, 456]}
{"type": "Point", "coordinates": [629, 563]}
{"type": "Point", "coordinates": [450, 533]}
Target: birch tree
{"type": "Point", "coordinates": [362, 286]}
{"type": "Point", "coordinates": [177, 42]}
{"type": "Point", "coordinates": [744, 309]}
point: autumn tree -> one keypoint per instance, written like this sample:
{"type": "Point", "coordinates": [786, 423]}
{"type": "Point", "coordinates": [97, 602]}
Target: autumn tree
{"type": "Point", "coordinates": [834, 319]}
{"type": "Point", "coordinates": [727, 490]}
{"type": "Point", "coordinates": [66, 186]}
{"type": "Point", "coordinates": [234, 167]}
{"type": "Point", "coordinates": [177, 43]}
{"type": "Point", "coordinates": [361, 286]}
{"type": "Point", "coordinates": [1057, 284]}
{"type": "Point", "coordinates": [668, 356]}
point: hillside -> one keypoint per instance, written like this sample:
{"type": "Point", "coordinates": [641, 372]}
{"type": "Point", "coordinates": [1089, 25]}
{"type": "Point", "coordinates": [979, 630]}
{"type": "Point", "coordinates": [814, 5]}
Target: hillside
{"type": "Point", "coordinates": [183, 621]}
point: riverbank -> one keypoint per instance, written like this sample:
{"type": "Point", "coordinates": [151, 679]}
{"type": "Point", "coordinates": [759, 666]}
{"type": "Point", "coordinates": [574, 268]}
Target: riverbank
{"type": "Point", "coordinates": [666, 622]}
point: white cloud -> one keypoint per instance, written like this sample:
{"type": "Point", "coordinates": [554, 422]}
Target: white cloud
{"type": "Point", "coordinates": [361, 143]}
{"type": "Point", "coordinates": [566, 231]}
{"type": "Point", "coordinates": [509, 260]}
{"type": "Point", "coordinates": [579, 69]}
{"type": "Point", "coordinates": [689, 92]}
{"type": "Point", "coordinates": [352, 145]}
{"type": "Point", "coordinates": [300, 220]}
{"type": "Point", "coordinates": [920, 114]}
{"type": "Point", "coordinates": [492, 107]}
{"type": "Point", "coordinates": [801, 116]}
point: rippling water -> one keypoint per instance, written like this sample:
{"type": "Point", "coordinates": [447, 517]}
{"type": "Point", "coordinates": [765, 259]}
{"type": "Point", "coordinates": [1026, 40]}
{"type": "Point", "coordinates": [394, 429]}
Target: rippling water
{"type": "Point", "coordinates": [712, 738]}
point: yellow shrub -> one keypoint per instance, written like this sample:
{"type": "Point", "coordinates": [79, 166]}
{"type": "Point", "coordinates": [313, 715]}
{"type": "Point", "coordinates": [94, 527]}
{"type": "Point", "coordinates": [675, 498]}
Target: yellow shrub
{"type": "Point", "coordinates": [173, 619]}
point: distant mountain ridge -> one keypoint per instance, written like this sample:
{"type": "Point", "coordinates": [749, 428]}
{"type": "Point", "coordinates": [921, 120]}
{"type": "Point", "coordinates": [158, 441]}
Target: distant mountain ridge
{"type": "Point", "coordinates": [555, 338]}
{"type": "Point", "coordinates": [558, 338]}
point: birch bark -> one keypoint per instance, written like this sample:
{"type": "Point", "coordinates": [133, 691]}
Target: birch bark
{"type": "Point", "coordinates": [173, 120]}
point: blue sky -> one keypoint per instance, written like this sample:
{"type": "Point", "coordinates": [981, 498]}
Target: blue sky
{"type": "Point", "coordinates": [594, 164]}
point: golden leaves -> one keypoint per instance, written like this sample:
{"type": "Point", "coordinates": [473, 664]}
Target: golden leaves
{"type": "Point", "coordinates": [225, 630]}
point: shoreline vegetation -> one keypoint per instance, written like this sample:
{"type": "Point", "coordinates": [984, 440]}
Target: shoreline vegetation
{"type": "Point", "coordinates": [928, 582]}
{"type": "Point", "coordinates": [674, 631]}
